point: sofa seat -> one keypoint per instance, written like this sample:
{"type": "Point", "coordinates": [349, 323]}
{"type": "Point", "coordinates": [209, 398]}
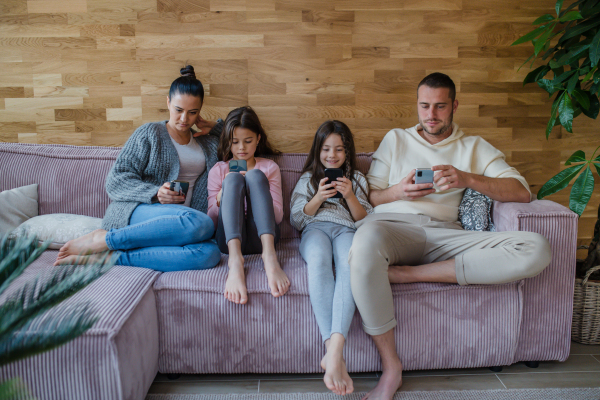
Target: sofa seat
{"type": "Point", "coordinates": [116, 358]}
{"type": "Point", "coordinates": [439, 325]}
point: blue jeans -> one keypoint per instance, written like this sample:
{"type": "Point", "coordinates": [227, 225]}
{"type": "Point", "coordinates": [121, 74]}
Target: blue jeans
{"type": "Point", "coordinates": [166, 237]}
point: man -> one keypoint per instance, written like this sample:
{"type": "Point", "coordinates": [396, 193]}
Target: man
{"type": "Point", "coordinates": [413, 234]}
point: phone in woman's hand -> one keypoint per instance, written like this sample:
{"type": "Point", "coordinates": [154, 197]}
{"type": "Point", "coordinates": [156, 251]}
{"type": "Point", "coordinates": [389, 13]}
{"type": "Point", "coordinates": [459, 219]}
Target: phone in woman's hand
{"type": "Point", "coordinates": [180, 187]}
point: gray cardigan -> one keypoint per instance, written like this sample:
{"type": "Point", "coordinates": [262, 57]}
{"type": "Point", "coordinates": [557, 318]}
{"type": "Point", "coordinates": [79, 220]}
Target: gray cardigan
{"type": "Point", "coordinates": [145, 163]}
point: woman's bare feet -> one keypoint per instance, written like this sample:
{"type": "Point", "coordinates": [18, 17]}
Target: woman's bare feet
{"type": "Point", "coordinates": [235, 287]}
{"type": "Point", "coordinates": [96, 258]}
{"type": "Point", "coordinates": [336, 374]}
{"type": "Point", "coordinates": [93, 242]}
{"type": "Point", "coordinates": [278, 280]}
{"type": "Point", "coordinates": [389, 383]}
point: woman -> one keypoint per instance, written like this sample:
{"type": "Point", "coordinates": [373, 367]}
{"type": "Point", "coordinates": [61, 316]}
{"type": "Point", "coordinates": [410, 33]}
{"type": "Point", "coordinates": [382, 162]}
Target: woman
{"type": "Point", "coordinates": [149, 224]}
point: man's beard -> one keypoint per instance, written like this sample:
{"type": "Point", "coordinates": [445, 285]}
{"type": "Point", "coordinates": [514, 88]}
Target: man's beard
{"type": "Point", "coordinates": [442, 130]}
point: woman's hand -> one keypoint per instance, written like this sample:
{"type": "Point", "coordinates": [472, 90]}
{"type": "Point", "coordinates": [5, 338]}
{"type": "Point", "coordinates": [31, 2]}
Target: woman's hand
{"type": "Point", "coordinates": [167, 196]}
{"type": "Point", "coordinates": [204, 126]}
{"type": "Point", "coordinates": [326, 190]}
{"type": "Point", "coordinates": [344, 186]}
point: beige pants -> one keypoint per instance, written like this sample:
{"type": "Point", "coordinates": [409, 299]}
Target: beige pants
{"type": "Point", "coordinates": [406, 239]}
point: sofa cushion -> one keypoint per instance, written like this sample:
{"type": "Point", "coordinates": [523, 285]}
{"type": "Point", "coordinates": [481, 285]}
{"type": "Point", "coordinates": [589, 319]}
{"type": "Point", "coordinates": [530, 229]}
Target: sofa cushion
{"type": "Point", "coordinates": [58, 228]}
{"type": "Point", "coordinates": [116, 358]}
{"type": "Point", "coordinates": [17, 205]}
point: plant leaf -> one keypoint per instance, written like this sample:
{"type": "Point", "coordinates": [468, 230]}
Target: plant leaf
{"type": "Point", "coordinates": [572, 83]}
{"type": "Point", "coordinates": [589, 75]}
{"type": "Point", "coordinates": [559, 181]}
{"type": "Point", "coordinates": [565, 113]}
{"type": "Point", "coordinates": [536, 74]}
{"type": "Point", "coordinates": [542, 19]}
{"type": "Point", "coordinates": [597, 167]}
{"type": "Point", "coordinates": [553, 114]}
{"type": "Point", "coordinates": [578, 156]}
{"type": "Point", "coordinates": [14, 389]}
{"type": "Point", "coordinates": [576, 53]}
{"type": "Point", "coordinates": [578, 30]}
{"type": "Point", "coordinates": [594, 108]}
{"type": "Point", "coordinates": [547, 85]}
{"type": "Point", "coordinates": [562, 77]}
{"type": "Point", "coordinates": [531, 35]}
{"type": "Point", "coordinates": [570, 16]}
{"type": "Point", "coordinates": [538, 44]}
{"type": "Point", "coordinates": [595, 49]}
{"type": "Point", "coordinates": [558, 6]}
{"type": "Point", "coordinates": [582, 98]}
{"type": "Point", "coordinates": [588, 12]}
{"type": "Point", "coordinates": [581, 191]}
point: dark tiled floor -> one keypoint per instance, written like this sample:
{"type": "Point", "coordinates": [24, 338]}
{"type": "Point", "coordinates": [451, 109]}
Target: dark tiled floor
{"type": "Point", "coordinates": [582, 369]}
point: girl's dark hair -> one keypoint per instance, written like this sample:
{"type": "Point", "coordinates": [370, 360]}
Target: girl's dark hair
{"type": "Point", "coordinates": [243, 117]}
{"type": "Point", "coordinates": [187, 84]}
{"type": "Point", "coordinates": [313, 162]}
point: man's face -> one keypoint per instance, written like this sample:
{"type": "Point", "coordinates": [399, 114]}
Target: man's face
{"type": "Point", "coordinates": [436, 110]}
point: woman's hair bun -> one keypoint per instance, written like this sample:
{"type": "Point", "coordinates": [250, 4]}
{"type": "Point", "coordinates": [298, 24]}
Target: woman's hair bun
{"type": "Point", "coordinates": [188, 70]}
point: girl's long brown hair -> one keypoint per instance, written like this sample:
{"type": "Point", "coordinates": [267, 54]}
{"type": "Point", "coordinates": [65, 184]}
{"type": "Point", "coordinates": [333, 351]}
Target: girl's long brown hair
{"type": "Point", "coordinates": [313, 161]}
{"type": "Point", "coordinates": [243, 117]}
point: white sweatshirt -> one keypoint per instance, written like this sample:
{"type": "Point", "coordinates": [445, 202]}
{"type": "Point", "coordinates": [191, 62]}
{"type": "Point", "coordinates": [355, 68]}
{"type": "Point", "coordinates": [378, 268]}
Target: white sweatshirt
{"type": "Point", "coordinates": [403, 150]}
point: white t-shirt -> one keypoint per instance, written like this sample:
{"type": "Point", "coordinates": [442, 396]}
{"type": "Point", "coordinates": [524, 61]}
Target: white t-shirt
{"type": "Point", "coordinates": [192, 164]}
{"type": "Point", "coordinates": [403, 150]}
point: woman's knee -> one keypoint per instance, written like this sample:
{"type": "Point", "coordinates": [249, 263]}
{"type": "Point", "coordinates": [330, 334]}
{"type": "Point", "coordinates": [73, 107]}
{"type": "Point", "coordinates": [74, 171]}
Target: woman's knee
{"type": "Point", "coordinates": [198, 226]}
{"type": "Point", "coordinates": [204, 255]}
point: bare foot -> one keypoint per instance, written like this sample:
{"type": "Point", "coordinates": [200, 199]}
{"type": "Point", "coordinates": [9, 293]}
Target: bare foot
{"type": "Point", "coordinates": [235, 287]}
{"type": "Point", "coordinates": [278, 280]}
{"type": "Point", "coordinates": [389, 383]}
{"type": "Point", "coordinates": [83, 260]}
{"type": "Point", "coordinates": [93, 242]}
{"type": "Point", "coordinates": [336, 375]}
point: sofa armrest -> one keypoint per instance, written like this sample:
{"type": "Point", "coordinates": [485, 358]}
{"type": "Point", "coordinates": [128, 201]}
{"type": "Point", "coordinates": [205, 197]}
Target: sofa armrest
{"type": "Point", "coordinates": [545, 332]}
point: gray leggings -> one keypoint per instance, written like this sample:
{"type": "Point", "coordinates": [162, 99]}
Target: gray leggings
{"type": "Point", "coordinates": [322, 244]}
{"type": "Point", "coordinates": [250, 192]}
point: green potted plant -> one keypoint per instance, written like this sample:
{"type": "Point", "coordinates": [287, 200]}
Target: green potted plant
{"type": "Point", "coordinates": [568, 44]}
{"type": "Point", "coordinates": [19, 311]}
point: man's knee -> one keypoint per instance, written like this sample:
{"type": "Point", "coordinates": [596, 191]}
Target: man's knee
{"type": "Point", "coordinates": [539, 255]}
{"type": "Point", "coordinates": [366, 249]}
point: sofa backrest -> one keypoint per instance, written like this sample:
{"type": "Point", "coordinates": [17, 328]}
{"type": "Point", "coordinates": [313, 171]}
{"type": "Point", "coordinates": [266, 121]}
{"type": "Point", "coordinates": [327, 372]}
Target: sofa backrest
{"type": "Point", "coordinates": [71, 178]}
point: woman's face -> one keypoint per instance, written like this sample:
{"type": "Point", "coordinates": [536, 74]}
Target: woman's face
{"type": "Point", "coordinates": [183, 112]}
{"type": "Point", "coordinates": [333, 154]}
{"type": "Point", "coordinates": [244, 143]}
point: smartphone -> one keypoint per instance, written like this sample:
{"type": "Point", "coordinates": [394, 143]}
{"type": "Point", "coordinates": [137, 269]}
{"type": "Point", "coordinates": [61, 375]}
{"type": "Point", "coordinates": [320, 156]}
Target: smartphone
{"type": "Point", "coordinates": [332, 174]}
{"type": "Point", "coordinates": [423, 175]}
{"type": "Point", "coordinates": [238, 165]}
{"type": "Point", "coordinates": [180, 186]}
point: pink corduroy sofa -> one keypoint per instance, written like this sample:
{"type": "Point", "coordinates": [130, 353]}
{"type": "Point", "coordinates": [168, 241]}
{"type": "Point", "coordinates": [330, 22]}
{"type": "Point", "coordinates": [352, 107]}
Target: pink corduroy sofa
{"type": "Point", "coordinates": [179, 322]}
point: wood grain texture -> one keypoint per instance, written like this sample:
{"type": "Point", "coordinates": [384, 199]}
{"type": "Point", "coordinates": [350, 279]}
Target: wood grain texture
{"type": "Point", "coordinates": [88, 72]}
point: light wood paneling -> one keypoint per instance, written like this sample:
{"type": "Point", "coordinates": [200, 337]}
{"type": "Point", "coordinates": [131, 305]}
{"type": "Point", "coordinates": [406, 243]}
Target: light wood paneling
{"type": "Point", "coordinates": [88, 72]}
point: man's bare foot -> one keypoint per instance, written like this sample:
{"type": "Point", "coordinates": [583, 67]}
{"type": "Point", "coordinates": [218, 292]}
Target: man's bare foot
{"type": "Point", "coordinates": [278, 280]}
{"type": "Point", "coordinates": [389, 383]}
{"type": "Point", "coordinates": [336, 375]}
{"type": "Point", "coordinates": [93, 242]}
{"type": "Point", "coordinates": [95, 258]}
{"type": "Point", "coordinates": [235, 287]}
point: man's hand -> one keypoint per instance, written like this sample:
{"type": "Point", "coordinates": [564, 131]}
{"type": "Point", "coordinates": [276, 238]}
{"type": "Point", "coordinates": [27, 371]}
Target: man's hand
{"type": "Point", "coordinates": [449, 177]}
{"type": "Point", "coordinates": [407, 189]}
{"type": "Point", "coordinates": [166, 196]}
{"type": "Point", "coordinates": [204, 126]}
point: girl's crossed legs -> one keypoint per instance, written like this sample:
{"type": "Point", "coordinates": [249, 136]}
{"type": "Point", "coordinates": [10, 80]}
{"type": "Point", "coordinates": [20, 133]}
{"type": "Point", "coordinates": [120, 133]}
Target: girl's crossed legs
{"type": "Point", "coordinates": [163, 237]}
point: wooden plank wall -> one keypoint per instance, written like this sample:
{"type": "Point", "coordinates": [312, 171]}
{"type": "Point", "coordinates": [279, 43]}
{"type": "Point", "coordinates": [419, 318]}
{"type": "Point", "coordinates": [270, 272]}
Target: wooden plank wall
{"type": "Point", "coordinates": [88, 72]}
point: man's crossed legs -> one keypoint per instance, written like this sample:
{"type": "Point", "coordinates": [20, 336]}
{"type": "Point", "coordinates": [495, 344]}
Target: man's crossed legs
{"type": "Point", "coordinates": [421, 249]}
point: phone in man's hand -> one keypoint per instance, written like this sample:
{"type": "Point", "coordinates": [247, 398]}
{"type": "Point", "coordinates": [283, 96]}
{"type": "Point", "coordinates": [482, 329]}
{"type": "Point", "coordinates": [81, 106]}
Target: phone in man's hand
{"type": "Point", "coordinates": [423, 175]}
{"type": "Point", "coordinates": [180, 187]}
{"type": "Point", "coordinates": [238, 165]}
{"type": "Point", "coordinates": [332, 174]}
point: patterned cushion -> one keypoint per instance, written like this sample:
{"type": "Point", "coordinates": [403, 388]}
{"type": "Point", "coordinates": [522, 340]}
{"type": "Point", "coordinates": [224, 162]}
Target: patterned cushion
{"type": "Point", "coordinates": [59, 228]}
{"type": "Point", "coordinates": [475, 212]}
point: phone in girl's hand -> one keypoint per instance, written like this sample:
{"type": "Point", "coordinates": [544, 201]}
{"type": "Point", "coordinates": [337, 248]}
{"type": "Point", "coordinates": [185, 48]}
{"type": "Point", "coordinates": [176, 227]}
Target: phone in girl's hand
{"type": "Point", "coordinates": [332, 174]}
{"type": "Point", "coordinates": [238, 165]}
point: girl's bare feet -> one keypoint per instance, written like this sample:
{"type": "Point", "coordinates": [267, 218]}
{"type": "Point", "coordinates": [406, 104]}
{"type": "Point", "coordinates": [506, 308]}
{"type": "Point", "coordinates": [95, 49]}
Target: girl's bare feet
{"type": "Point", "coordinates": [336, 375]}
{"type": "Point", "coordinates": [278, 280]}
{"type": "Point", "coordinates": [235, 287]}
{"type": "Point", "coordinates": [93, 242]}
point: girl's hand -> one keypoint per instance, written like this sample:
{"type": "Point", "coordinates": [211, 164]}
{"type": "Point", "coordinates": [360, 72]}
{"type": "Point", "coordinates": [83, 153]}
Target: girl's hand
{"type": "Point", "coordinates": [204, 126]}
{"type": "Point", "coordinates": [326, 190]}
{"type": "Point", "coordinates": [167, 196]}
{"type": "Point", "coordinates": [219, 198]}
{"type": "Point", "coordinates": [344, 186]}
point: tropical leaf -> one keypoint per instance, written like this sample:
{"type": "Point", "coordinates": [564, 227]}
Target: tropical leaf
{"type": "Point", "coordinates": [559, 181]}
{"type": "Point", "coordinates": [553, 114]}
{"type": "Point", "coordinates": [578, 30]}
{"type": "Point", "coordinates": [594, 108]}
{"type": "Point", "coordinates": [588, 12]}
{"type": "Point", "coordinates": [548, 86]}
{"type": "Point", "coordinates": [572, 83]}
{"type": "Point", "coordinates": [595, 49]}
{"type": "Point", "coordinates": [531, 35]}
{"type": "Point", "coordinates": [588, 75]}
{"type": "Point", "coordinates": [597, 167]}
{"type": "Point", "coordinates": [575, 54]}
{"type": "Point", "coordinates": [570, 16]}
{"type": "Point", "coordinates": [542, 19]}
{"type": "Point", "coordinates": [13, 389]}
{"type": "Point", "coordinates": [538, 44]}
{"type": "Point", "coordinates": [565, 113]}
{"type": "Point", "coordinates": [562, 77]}
{"type": "Point", "coordinates": [578, 156]}
{"type": "Point", "coordinates": [536, 74]}
{"type": "Point", "coordinates": [582, 98]}
{"type": "Point", "coordinates": [558, 6]}
{"type": "Point", "coordinates": [581, 191]}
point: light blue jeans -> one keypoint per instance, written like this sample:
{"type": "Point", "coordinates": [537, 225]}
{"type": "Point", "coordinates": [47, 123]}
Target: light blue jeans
{"type": "Point", "coordinates": [166, 237]}
{"type": "Point", "coordinates": [322, 244]}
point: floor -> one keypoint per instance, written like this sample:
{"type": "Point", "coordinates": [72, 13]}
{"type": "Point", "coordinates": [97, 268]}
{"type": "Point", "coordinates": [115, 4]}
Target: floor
{"type": "Point", "coordinates": [582, 369]}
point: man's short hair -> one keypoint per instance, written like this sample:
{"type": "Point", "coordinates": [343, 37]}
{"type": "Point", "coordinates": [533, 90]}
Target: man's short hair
{"type": "Point", "coordinates": [439, 80]}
